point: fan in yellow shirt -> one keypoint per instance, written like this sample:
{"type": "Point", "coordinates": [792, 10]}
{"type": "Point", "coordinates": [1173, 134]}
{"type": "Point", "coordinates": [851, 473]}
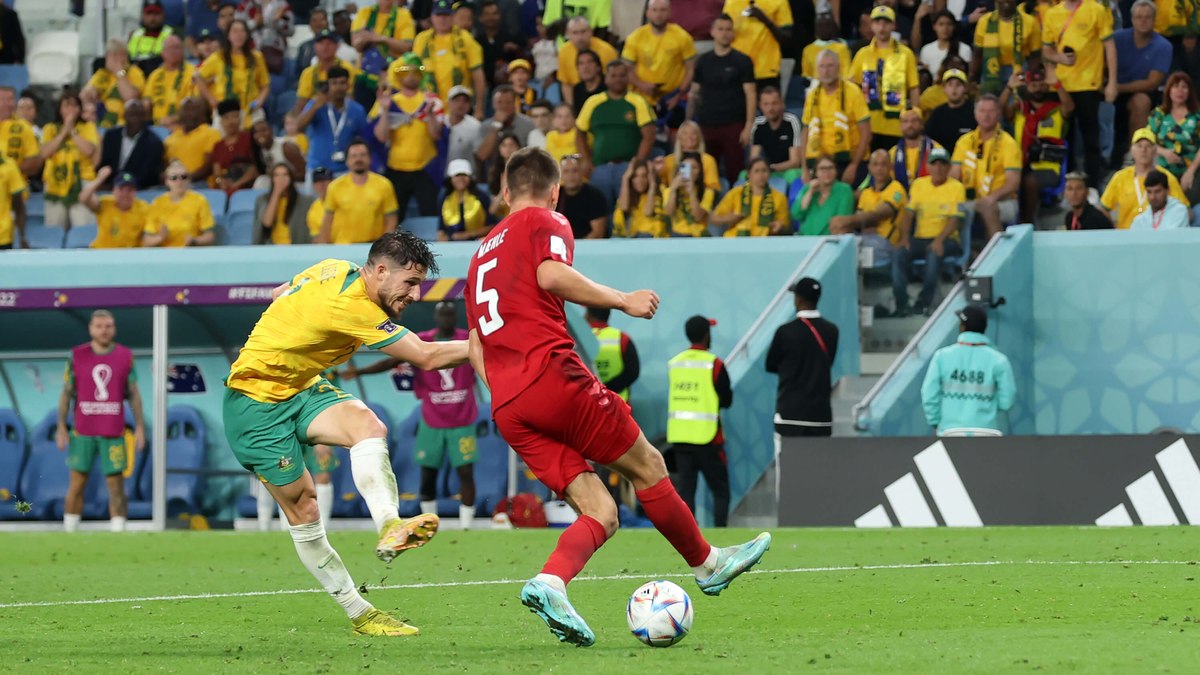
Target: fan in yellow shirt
{"type": "Point", "coordinates": [760, 27]}
{"type": "Point", "coordinates": [359, 206]}
{"type": "Point", "coordinates": [639, 211]}
{"type": "Point", "coordinates": [1077, 37]}
{"type": "Point", "coordinates": [753, 209]}
{"type": "Point", "coordinates": [687, 202]}
{"type": "Point", "coordinates": [12, 204]}
{"type": "Point", "coordinates": [237, 71]}
{"type": "Point", "coordinates": [689, 140]}
{"type": "Point", "coordinates": [835, 122]}
{"type": "Point", "coordinates": [560, 141]}
{"type": "Point", "coordinates": [69, 152]}
{"type": "Point", "coordinates": [17, 141]}
{"type": "Point", "coordinates": [827, 38]}
{"type": "Point", "coordinates": [387, 26]}
{"type": "Point", "coordinates": [321, 178]}
{"type": "Point", "coordinates": [313, 77]}
{"type": "Point", "coordinates": [580, 38]}
{"type": "Point", "coordinates": [988, 162]}
{"type": "Point", "coordinates": [887, 72]}
{"type": "Point", "coordinates": [1004, 40]}
{"type": "Point", "coordinates": [663, 54]}
{"type": "Point", "coordinates": [936, 203]}
{"type": "Point", "coordinates": [1126, 190]}
{"type": "Point", "coordinates": [115, 83]}
{"type": "Point", "coordinates": [881, 202]}
{"type": "Point", "coordinates": [120, 217]}
{"type": "Point", "coordinates": [170, 83]}
{"type": "Point", "coordinates": [181, 217]}
{"type": "Point", "coordinates": [452, 56]}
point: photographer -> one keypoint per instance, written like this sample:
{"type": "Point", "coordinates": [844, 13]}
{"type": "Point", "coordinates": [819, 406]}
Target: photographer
{"type": "Point", "coordinates": [1040, 127]}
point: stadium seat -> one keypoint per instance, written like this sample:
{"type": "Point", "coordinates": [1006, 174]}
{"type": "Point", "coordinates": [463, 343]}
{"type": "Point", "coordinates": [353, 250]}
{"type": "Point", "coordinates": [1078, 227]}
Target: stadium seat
{"type": "Point", "coordinates": [81, 236]}
{"type": "Point", "coordinates": [239, 229]}
{"type": "Point", "coordinates": [35, 204]}
{"type": "Point", "coordinates": [161, 132]}
{"type": "Point", "coordinates": [408, 474]}
{"type": "Point", "coordinates": [425, 227]}
{"type": "Point", "coordinates": [216, 201]}
{"type": "Point", "coordinates": [779, 185]}
{"type": "Point", "coordinates": [15, 76]}
{"type": "Point", "coordinates": [243, 200]}
{"type": "Point", "coordinates": [40, 236]}
{"type": "Point", "coordinates": [282, 104]}
{"type": "Point", "coordinates": [52, 57]}
{"type": "Point", "coordinates": [1054, 194]}
{"type": "Point", "coordinates": [185, 450]}
{"type": "Point", "coordinates": [45, 479]}
{"type": "Point", "coordinates": [13, 454]}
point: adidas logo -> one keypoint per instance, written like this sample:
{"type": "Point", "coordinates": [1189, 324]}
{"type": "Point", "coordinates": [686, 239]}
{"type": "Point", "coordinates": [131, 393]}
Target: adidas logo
{"type": "Point", "coordinates": [908, 504]}
{"type": "Point", "coordinates": [1149, 499]}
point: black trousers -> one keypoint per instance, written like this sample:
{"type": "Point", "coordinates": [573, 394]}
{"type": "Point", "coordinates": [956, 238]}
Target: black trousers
{"type": "Point", "coordinates": [709, 460]}
{"type": "Point", "coordinates": [409, 184]}
{"type": "Point", "coordinates": [797, 431]}
{"type": "Point", "coordinates": [1087, 116]}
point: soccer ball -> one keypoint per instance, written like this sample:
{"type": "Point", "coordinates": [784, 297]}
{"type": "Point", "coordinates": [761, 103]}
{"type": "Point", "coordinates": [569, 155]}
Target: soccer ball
{"type": "Point", "coordinates": [659, 613]}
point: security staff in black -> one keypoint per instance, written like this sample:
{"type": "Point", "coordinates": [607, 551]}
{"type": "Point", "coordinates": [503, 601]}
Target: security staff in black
{"type": "Point", "coordinates": [802, 354]}
{"type": "Point", "coordinates": [699, 388]}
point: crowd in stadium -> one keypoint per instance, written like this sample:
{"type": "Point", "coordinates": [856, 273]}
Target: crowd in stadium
{"type": "Point", "coordinates": [908, 123]}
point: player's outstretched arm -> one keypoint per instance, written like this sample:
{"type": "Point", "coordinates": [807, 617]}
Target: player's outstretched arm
{"type": "Point", "coordinates": [428, 355]}
{"type": "Point", "coordinates": [565, 282]}
{"type": "Point", "coordinates": [475, 355]}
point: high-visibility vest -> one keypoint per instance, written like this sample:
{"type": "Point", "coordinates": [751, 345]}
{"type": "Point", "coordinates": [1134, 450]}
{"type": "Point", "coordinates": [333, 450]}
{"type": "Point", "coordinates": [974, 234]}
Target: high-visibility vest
{"type": "Point", "coordinates": [693, 409]}
{"type": "Point", "coordinates": [142, 46]}
{"type": "Point", "coordinates": [1052, 128]}
{"type": "Point", "coordinates": [610, 362]}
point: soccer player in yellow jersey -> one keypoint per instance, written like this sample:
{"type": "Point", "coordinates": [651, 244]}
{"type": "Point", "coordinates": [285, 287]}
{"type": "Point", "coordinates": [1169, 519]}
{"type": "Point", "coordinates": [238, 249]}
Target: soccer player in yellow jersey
{"type": "Point", "coordinates": [277, 401]}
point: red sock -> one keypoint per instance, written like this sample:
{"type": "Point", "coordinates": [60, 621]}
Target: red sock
{"type": "Point", "coordinates": [575, 547]}
{"type": "Point", "coordinates": [674, 521]}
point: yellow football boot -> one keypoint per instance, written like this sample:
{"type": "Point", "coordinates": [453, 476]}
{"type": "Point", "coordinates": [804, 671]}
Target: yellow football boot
{"type": "Point", "coordinates": [379, 623]}
{"type": "Point", "coordinates": [401, 535]}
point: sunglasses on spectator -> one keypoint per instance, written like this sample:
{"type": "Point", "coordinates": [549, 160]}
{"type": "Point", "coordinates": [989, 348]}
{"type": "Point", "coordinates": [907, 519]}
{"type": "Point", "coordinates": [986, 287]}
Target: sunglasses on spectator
{"type": "Point", "coordinates": [177, 176]}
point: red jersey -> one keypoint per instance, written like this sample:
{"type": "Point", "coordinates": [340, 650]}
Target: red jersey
{"type": "Point", "coordinates": [520, 326]}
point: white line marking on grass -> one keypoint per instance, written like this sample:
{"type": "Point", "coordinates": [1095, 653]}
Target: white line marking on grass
{"type": "Point", "coordinates": [610, 577]}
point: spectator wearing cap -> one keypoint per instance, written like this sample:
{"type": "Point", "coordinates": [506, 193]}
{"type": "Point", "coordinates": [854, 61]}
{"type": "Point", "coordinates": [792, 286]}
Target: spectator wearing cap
{"type": "Point", "coordinates": [12, 38]}
{"type": "Point", "coordinates": [332, 121]}
{"type": "Point", "coordinates": [1082, 215]}
{"type": "Point", "coordinates": [1040, 127]}
{"type": "Point", "coordinates": [617, 126]}
{"type": "Point", "coordinates": [70, 149]}
{"type": "Point", "coordinates": [910, 157]}
{"type": "Point", "coordinates": [207, 44]}
{"type": "Point", "coordinates": [133, 148]}
{"type": "Point", "coordinates": [314, 79]}
{"type": "Point", "coordinates": [409, 122]}
{"type": "Point", "coordinates": [836, 122]}
{"type": "Point", "coordinates": [466, 132]}
{"type": "Point", "coordinates": [281, 212]}
{"type": "Point", "coordinates": [464, 213]}
{"type": "Point", "coordinates": [802, 355]}
{"type": "Point", "coordinates": [202, 17]}
{"type": "Point", "coordinates": [193, 140]}
{"type": "Point", "coordinates": [519, 72]}
{"type": "Point", "coordinates": [386, 28]}
{"type": "Point", "coordinates": [452, 55]}
{"type": "Point", "coordinates": [933, 93]}
{"type": "Point", "coordinates": [928, 231]}
{"type": "Point", "coordinates": [580, 39]}
{"type": "Point", "coordinates": [582, 204]}
{"type": "Point", "coordinates": [497, 42]}
{"type": "Point", "coordinates": [1004, 40]}
{"type": "Point", "coordinates": [988, 162]}
{"type": "Point", "coordinates": [120, 217]}
{"type": "Point", "coordinates": [723, 98]}
{"type": "Point", "coordinates": [1163, 212]}
{"type": "Point", "coordinates": [169, 84]}
{"type": "Point", "coordinates": [699, 389]}
{"type": "Point", "coordinates": [969, 383]}
{"type": "Point", "coordinates": [1125, 194]}
{"type": "Point", "coordinates": [146, 43]}
{"type": "Point", "coordinates": [887, 72]}
{"type": "Point", "coordinates": [114, 84]}
{"type": "Point", "coordinates": [464, 15]}
{"type": "Point", "coordinates": [1143, 65]}
{"type": "Point", "coordinates": [951, 120]}
{"type": "Point", "coordinates": [182, 216]}
{"type": "Point", "coordinates": [663, 57]}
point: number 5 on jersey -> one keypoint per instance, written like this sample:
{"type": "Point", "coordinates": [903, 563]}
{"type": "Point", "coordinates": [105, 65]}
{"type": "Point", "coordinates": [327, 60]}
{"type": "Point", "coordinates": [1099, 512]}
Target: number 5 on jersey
{"type": "Point", "coordinates": [490, 321]}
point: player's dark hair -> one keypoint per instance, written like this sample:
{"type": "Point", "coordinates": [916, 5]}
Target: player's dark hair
{"type": "Point", "coordinates": [723, 17]}
{"type": "Point", "coordinates": [1156, 179]}
{"type": "Point", "coordinates": [401, 248]}
{"type": "Point", "coordinates": [531, 172]}
{"type": "Point", "coordinates": [599, 313]}
{"type": "Point", "coordinates": [587, 52]}
{"type": "Point", "coordinates": [768, 90]}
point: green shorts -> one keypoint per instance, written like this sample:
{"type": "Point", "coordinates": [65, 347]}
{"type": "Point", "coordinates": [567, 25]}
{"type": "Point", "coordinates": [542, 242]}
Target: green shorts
{"type": "Point", "coordinates": [434, 444]}
{"type": "Point", "coordinates": [270, 438]}
{"type": "Point", "coordinates": [84, 449]}
{"type": "Point", "coordinates": [316, 465]}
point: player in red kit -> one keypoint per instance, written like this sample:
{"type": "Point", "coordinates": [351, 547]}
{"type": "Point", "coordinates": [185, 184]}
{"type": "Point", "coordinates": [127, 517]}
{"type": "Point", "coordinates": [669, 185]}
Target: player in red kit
{"type": "Point", "coordinates": [553, 410]}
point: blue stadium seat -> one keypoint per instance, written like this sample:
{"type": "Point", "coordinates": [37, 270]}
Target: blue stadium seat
{"type": "Point", "coordinates": [40, 236]}
{"type": "Point", "coordinates": [81, 236]}
{"type": "Point", "coordinates": [15, 76]}
{"type": "Point", "coordinates": [425, 227]}
{"type": "Point", "coordinates": [779, 185]}
{"type": "Point", "coordinates": [185, 450]}
{"type": "Point", "coordinates": [45, 479]}
{"type": "Point", "coordinates": [175, 13]}
{"type": "Point", "coordinates": [150, 194]}
{"type": "Point", "coordinates": [243, 200]}
{"type": "Point", "coordinates": [347, 503]}
{"type": "Point", "coordinates": [408, 474]}
{"type": "Point", "coordinates": [35, 204]}
{"type": "Point", "coordinates": [217, 200]}
{"type": "Point", "coordinates": [1052, 195]}
{"type": "Point", "coordinates": [239, 228]}
{"type": "Point", "coordinates": [281, 106]}
{"type": "Point", "coordinates": [13, 454]}
{"type": "Point", "coordinates": [161, 132]}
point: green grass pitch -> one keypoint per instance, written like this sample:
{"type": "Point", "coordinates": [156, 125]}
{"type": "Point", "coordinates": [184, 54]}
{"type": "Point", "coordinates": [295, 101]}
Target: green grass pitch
{"type": "Point", "coordinates": [910, 601]}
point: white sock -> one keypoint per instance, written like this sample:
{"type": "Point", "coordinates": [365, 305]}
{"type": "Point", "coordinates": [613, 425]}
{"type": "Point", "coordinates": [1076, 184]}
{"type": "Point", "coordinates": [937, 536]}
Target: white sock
{"type": "Point", "coordinates": [705, 570]}
{"type": "Point", "coordinates": [372, 470]}
{"type": "Point", "coordinates": [116, 523]}
{"type": "Point", "coordinates": [71, 521]}
{"type": "Point", "coordinates": [465, 515]}
{"type": "Point", "coordinates": [266, 506]}
{"type": "Point", "coordinates": [326, 565]}
{"type": "Point", "coordinates": [429, 506]}
{"type": "Point", "coordinates": [554, 582]}
{"type": "Point", "coordinates": [325, 501]}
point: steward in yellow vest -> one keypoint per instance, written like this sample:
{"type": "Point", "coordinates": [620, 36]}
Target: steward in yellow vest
{"type": "Point", "coordinates": [146, 43]}
{"type": "Point", "coordinates": [616, 362]}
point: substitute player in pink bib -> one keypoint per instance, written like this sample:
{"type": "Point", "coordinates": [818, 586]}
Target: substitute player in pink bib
{"type": "Point", "coordinates": [553, 411]}
{"type": "Point", "coordinates": [99, 377]}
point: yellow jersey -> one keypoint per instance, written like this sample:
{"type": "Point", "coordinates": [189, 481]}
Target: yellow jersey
{"type": "Point", "coordinates": [638, 224]}
{"type": "Point", "coordinates": [300, 140]}
{"type": "Point", "coordinates": [752, 37]}
{"type": "Point", "coordinates": [358, 210]}
{"type": "Point", "coordinates": [244, 79]}
{"type": "Point", "coordinates": [712, 175]}
{"type": "Point", "coordinates": [687, 224]}
{"type": "Point", "coordinates": [808, 57]}
{"type": "Point", "coordinates": [832, 121]}
{"type": "Point", "coordinates": [117, 228]}
{"type": "Point", "coordinates": [995, 33]}
{"type": "Point", "coordinates": [411, 146]}
{"type": "Point", "coordinates": [660, 59]}
{"type": "Point", "coordinates": [166, 89]}
{"type": "Point", "coordinates": [894, 194]}
{"type": "Point", "coordinates": [313, 76]}
{"type": "Point", "coordinates": [396, 24]}
{"type": "Point", "coordinates": [317, 324]}
{"type": "Point", "coordinates": [931, 98]}
{"type": "Point", "coordinates": [870, 58]}
{"type": "Point", "coordinates": [560, 144]}
{"type": "Point", "coordinates": [18, 140]}
{"type": "Point", "coordinates": [912, 158]}
{"type": "Point", "coordinates": [983, 163]}
{"type": "Point", "coordinates": [1173, 16]}
{"type": "Point", "coordinates": [568, 74]}
{"type": "Point", "coordinates": [314, 218]}
{"type": "Point", "coordinates": [756, 215]}
{"type": "Point", "coordinates": [12, 186]}
{"type": "Point", "coordinates": [193, 148]}
{"type": "Point", "coordinates": [65, 172]}
{"type": "Point", "coordinates": [1126, 194]}
{"type": "Point", "coordinates": [189, 217]}
{"type": "Point", "coordinates": [934, 206]}
{"type": "Point", "coordinates": [109, 94]}
{"type": "Point", "coordinates": [1084, 30]}
{"type": "Point", "coordinates": [451, 57]}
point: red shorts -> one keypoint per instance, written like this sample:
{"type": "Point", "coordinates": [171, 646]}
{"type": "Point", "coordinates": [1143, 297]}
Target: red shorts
{"type": "Point", "coordinates": [563, 419]}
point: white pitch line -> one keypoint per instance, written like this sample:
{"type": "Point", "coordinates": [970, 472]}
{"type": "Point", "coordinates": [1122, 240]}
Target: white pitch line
{"type": "Point", "coordinates": [611, 577]}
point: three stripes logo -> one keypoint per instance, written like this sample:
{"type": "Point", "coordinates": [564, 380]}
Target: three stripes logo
{"type": "Point", "coordinates": [907, 503]}
{"type": "Point", "coordinates": [1150, 501]}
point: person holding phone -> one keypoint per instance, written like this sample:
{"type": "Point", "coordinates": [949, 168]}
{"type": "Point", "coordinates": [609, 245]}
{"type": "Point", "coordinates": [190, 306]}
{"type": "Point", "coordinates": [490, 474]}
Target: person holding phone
{"type": "Point", "coordinates": [688, 199]}
{"type": "Point", "coordinates": [315, 78]}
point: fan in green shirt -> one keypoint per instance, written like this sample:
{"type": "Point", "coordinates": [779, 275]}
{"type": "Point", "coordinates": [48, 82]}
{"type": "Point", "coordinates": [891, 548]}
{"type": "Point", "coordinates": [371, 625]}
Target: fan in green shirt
{"type": "Point", "coordinates": [821, 200]}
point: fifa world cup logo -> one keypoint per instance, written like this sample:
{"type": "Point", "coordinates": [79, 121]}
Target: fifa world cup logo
{"type": "Point", "coordinates": [447, 375]}
{"type": "Point", "coordinates": [101, 375]}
